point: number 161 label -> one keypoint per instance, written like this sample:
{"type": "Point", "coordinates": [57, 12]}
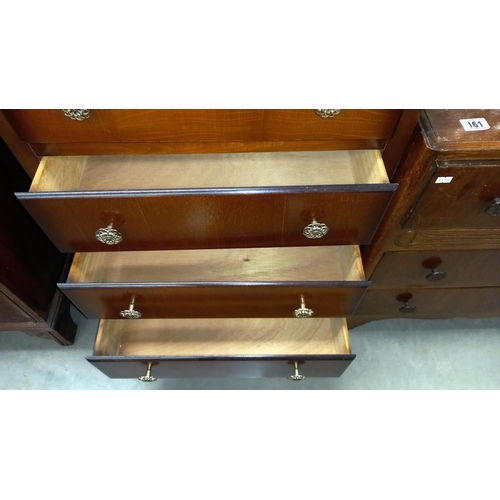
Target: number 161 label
{"type": "Point", "coordinates": [474, 124]}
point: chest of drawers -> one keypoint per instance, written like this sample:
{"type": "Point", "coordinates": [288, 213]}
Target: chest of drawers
{"type": "Point", "coordinates": [218, 248]}
{"type": "Point", "coordinates": [437, 252]}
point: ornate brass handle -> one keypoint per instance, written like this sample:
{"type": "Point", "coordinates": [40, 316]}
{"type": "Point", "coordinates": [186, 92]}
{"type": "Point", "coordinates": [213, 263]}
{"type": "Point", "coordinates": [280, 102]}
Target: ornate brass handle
{"type": "Point", "coordinates": [108, 235]}
{"type": "Point", "coordinates": [315, 230]}
{"type": "Point", "coordinates": [77, 114]}
{"type": "Point", "coordinates": [148, 377]}
{"type": "Point", "coordinates": [407, 307]}
{"type": "Point", "coordinates": [296, 375]}
{"type": "Point", "coordinates": [494, 208]}
{"type": "Point", "coordinates": [303, 311]}
{"type": "Point", "coordinates": [327, 113]}
{"type": "Point", "coordinates": [130, 313]}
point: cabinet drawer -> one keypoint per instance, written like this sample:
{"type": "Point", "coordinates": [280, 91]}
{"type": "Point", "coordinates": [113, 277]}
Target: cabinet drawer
{"type": "Point", "coordinates": [248, 348]}
{"type": "Point", "coordinates": [407, 303]}
{"type": "Point", "coordinates": [438, 268]}
{"type": "Point", "coordinates": [233, 283]}
{"type": "Point", "coordinates": [471, 200]}
{"type": "Point", "coordinates": [210, 201]}
{"type": "Point", "coordinates": [188, 125]}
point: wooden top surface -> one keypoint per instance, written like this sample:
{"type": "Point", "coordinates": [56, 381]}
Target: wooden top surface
{"type": "Point", "coordinates": [444, 132]}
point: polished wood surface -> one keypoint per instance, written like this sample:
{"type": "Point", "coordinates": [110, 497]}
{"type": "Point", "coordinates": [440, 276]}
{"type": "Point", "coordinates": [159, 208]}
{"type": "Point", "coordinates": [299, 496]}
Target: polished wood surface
{"type": "Point", "coordinates": [416, 239]}
{"type": "Point", "coordinates": [243, 170]}
{"type": "Point", "coordinates": [467, 268]}
{"type": "Point", "coordinates": [436, 303]}
{"type": "Point", "coordinates": [461, 203]}
{"type": "Point", "coordinates": [217, 300]}
{"type": "Point", "coordinates": [213, 219]}
{"type": "Point", "coordinates": [222, 337]}
{"type": "Point", "coordinates": [337, 263]}
{"type": "Point", "coordinates": [322, 366]}
{"type": "Point", "coordinates": [22, 151]}
{"type": "Point", "coordinates": [176, 125]}
{"type": "Point", "coordinates": [444, 132]}
{"type": "Point", "coordinates": [394, 151]}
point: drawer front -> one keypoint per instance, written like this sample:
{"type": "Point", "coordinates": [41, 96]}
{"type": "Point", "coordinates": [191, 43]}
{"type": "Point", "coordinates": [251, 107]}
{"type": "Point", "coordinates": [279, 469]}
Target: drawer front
{"type": "Point", "coordinates": [348, 124]}
{"type": "Point", "coordinates": [210, 219]}
{"type": "Point", "coordinates": [236, 367]}
{"type": "Point", "coordinates": [156, 125]}
{"type": "Point", "coordinates": [245, 347]}
{"type": "Point", "coordinates": [471, 200]}
{"type": "Point", "coordinates": [438, 269]}
{"type": "Point", "coordinates": [405, 303]}
{"type": "Point", "coordinates": [212, 300]}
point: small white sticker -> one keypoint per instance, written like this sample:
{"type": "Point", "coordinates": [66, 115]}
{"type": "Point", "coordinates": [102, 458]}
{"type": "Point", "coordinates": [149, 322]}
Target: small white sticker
{"type": "Point", "coordinates": [474, 124]}
{"type": "Point", "coordinates": [443, 180]}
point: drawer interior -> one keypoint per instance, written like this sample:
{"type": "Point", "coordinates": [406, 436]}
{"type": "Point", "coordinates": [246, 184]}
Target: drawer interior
{"type": "Point", "coordinates": [322, 263]}
{"type": "Point", "coordinates": [236, 170]}
{"type": "Point", "coordinates": [220, 337]}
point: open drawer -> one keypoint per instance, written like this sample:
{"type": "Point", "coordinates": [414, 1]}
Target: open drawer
{"type": "Point", "coordinates": [218, 283]}
{"type": "Point", "coordinates": [101, 203]}
{"type": "Point", "coordinates": [248, 348]}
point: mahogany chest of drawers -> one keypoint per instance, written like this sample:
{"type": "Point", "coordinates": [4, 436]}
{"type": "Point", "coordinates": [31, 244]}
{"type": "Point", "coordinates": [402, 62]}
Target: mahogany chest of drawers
{"type": "Point", "coordinates": [214, 242]}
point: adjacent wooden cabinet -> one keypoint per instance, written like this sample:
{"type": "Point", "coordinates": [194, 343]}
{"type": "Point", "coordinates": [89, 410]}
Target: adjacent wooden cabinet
{"type": "Point", "coordinates": [214, 242]}
{"type": "Point", "coordinates": [30, 265]}
{"type": "Point", "coordinates": [437, 251]}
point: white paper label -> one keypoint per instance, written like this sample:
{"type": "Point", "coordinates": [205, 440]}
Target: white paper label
{"type": "Point", "coordinates": [474, 124]}
{"type": "Point", "coordinates": [443, 180]}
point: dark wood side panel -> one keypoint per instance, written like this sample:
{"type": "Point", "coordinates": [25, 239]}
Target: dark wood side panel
{"type": "Point", "coordinates": [210, 300]}
{"type": "Point", "coordinates": [237, 366]}
{"type": "Point", "coordinates": [30, 265]}
{"type": "Point", "coordinates": [411, 177]}
{"type": "Point", "coordinates": [10, 312]}
{"type": "Point", "coordinates": [210, 218]}
{"type": "Point", "coordinates": [22, 151]}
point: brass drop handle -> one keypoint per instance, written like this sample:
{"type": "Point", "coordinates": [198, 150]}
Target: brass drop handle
{"type": "Point", "coordinates": [315, 230]}
{"type": "Point", "coordinates": [327, 113]}
{"type": "Point", "coordinates": [148, 377]}
{"type": "Point", "coordinates": [296, 375]}
{"type": "Point", "coordinates": [108, 235]}
{"type": "Point", "coordinates": [436, 275]}
{"type": "Point", "coordinates": [494, 208]}
{"type": "Point", "coordinates": [131, 313]}
{"type": "Point", "coordinates": [303, 311]}
{"type": "Point", "coordinates": [77, 114]}
{"type": "Point", "coordinates": [407, 307]}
